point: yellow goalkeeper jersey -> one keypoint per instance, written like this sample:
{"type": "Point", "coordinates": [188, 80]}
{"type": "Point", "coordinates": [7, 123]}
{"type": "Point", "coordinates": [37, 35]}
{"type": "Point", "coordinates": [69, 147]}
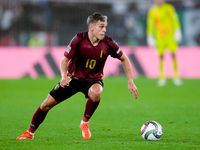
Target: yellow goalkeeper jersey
{"type": "Point", "coordinates": [162, 21]}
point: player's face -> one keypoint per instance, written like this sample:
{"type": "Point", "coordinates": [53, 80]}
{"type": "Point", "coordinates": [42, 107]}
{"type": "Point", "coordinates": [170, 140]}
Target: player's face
{"type": "Point", "coordinates": [99, 29]}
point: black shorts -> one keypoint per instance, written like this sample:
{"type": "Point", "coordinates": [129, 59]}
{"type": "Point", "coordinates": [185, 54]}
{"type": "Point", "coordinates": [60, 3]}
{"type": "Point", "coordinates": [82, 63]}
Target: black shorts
{"type": "Point", "coordinates": [60, 94]}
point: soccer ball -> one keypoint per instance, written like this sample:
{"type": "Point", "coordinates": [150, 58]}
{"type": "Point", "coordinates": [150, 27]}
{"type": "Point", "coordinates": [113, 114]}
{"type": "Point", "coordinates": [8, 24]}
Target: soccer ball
{"type": "Point", "coordinates": [151, 130]}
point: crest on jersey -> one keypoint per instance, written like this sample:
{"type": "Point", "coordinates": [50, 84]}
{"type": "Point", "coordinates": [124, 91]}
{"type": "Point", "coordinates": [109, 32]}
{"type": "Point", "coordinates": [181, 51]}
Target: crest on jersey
{"type": "Point", "coordinates": [68, 49]}
{"type": "Point", "coordinates": [57, 86]}
{"type": "Point", "coordinates": [102, 53]}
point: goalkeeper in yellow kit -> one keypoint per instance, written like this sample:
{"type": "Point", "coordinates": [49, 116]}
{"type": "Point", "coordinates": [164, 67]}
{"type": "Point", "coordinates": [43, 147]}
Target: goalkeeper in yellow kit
{"type": "Point", "coordinates": [163, 31]}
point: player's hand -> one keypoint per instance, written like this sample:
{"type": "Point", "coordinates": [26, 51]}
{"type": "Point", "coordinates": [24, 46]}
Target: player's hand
{"type": "Point", "coordinates": [133, 88]}
{"type": "Point", "coordinates": [177, 36]}
{"type": "Point", "coordinates": [65, 81]}
{"type": "Point", "coordinates": [151, 41]}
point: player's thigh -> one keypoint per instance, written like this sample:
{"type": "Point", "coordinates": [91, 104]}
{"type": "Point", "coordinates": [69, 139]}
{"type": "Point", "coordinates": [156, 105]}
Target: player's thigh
{"type": "Point", "coordinates": [161, 47]}
{"type": "Point", "coordinates": [60, 94]}
{"type": "Point", "coordinates": [172, 46]}
{"type": "Point", "coordinates": [48, 103]}
{"type": "Point", "coordinates": [92, 87]}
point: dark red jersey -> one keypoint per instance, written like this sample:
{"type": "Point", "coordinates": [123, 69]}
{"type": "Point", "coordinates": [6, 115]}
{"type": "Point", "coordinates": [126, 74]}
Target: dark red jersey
{"type": "Point", "coordinates": [87, 61]}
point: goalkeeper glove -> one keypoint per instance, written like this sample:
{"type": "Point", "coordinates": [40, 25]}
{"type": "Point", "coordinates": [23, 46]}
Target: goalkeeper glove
{"type": "Point", "coordinates": [177, 35]}
{"type": "Point", "coordinates": [151, 41]}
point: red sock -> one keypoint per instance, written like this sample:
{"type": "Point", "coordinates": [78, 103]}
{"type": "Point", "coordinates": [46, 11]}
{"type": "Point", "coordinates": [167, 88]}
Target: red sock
{"type": "Point", "coordinates": [90, 109]}
{"type": "Point", "coordinates": [37, 119]}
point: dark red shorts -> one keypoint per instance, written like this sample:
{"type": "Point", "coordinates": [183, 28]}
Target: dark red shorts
{"type": "Point", "coordinates": [60, 94]}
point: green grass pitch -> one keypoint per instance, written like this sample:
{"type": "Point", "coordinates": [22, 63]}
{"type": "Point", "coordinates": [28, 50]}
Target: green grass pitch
{"type": "Point", "coordinates": [116, 123]}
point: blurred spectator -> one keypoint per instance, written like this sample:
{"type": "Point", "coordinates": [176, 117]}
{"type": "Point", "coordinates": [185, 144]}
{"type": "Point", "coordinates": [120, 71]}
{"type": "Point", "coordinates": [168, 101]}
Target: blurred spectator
{"type": "Point", "coordinates": [37, 39]}
{"type": "Point", "coordinates": [127, 23]}
{"type": "Point", "coordinates": [198, 39]}
{"type": "Point", "coordinates": [7, 19]}
{"type": "Point", "coordinates": [131, 27]}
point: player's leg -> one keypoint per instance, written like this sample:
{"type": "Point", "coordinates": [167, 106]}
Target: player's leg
{"type": "Point", "coordinates": [38, 117]}
{"type": "Point", "coordinates": [161, 68]}
{"type": "Point", "coordinates": [175, 66]}
{"type": "Point", "coordinates": [94, 94]}
{"type": "Point", "coordinates": [176, 80]}
{"type": "Point", "coordinates": [56, 95]}
{"type": "Point", "coordinates": [161, 49]}
{"type": "Point", "coordinates": [41, 113]}
{"type": "Point", "coordinates": [173, 47]}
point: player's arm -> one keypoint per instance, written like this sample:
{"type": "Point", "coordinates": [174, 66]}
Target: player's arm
{"type": "Point", "coordinates": [68, 54]}
{"type": "Point", "coordinates": [150, 23]}
{"type": "Point", "coordinates": [177, 27]}
{"type": "Point", "coordinates": [175, 18]}
{"type": "Point", "coordinates": [63, 70]}
{"type": "Point", "coordinates": [127, 67]}
{"type": "Point", "coordinates": [150, 29]}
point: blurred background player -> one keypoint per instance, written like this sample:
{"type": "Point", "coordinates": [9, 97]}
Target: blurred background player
{"type": "Point", "coordinates": [164, 31]}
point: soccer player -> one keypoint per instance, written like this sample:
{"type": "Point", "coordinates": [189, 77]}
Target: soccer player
{"type": "Point", "coordinates": [163, 31]}
{"type": "Point", "coordinates": [82, 71]}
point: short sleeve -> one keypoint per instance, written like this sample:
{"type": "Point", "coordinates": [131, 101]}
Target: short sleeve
{"type": "Point", "coordinates": [115, 50]}
{"type": "Point", "coordinates": [71, 48]}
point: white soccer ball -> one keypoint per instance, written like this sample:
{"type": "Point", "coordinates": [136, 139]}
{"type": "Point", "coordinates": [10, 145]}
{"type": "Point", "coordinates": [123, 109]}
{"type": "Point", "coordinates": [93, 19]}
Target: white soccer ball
{"type": "Point", "coordinates": [151, 130]}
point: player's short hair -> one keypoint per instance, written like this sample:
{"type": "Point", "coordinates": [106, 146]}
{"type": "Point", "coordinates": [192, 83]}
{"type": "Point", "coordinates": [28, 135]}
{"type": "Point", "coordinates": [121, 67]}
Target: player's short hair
{"type": "Point", "coordinates": [95, 17]}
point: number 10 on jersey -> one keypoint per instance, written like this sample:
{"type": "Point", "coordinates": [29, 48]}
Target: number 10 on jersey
{"type": "Point", "coordinates": [90, 63]}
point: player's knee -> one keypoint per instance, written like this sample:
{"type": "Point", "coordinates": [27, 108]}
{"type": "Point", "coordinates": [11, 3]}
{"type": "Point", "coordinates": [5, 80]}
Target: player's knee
{"type": "Point", "coordinates": [45, 107]}
{"type": "Point", "coordinates": [96, 96]}
{"type": "Point", "coordinates": [95, 92]}
{"type": "Point", "coordinates": [48, 103]}
{"type": "Point", "coordinates": [173, 56]}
